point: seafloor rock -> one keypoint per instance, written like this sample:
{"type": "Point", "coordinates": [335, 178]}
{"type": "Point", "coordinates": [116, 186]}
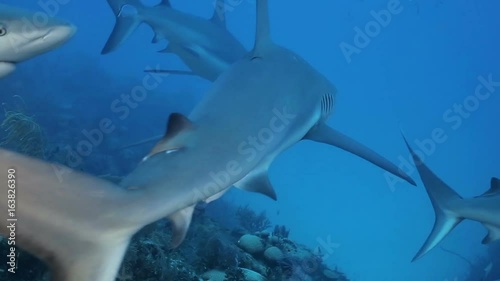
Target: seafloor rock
{"type": "Point", "coordinates": [251, 244]}
{"type": "Point", "coordinates": [217, 275]}
{"type": "Point", "coordinates": [273, 254]}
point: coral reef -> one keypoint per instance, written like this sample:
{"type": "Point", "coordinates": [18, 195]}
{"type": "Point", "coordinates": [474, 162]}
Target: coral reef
{"type": "Point", "coordinates": [23, 133]}
{"type": "Point", "coordinates": [209, 253]}
{"type": "Point", "coordinates": [252, 222]}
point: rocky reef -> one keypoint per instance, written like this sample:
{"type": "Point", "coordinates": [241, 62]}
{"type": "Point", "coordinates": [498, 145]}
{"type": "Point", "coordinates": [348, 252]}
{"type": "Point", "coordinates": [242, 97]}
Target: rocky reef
{"type": "Point", "coordinates": [210, 252]}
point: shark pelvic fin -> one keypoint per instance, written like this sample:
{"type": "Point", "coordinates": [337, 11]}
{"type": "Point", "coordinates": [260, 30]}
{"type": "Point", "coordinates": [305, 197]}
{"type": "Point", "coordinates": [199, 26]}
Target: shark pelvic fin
{"type": "Point", "coordinates": [324, 134]}
{"type": "Point", "coordinates": [263, 34]}
{"type": "Point", "coordinates": [180, 225]}
{"type": "Point", "coordinates": [219, 16]}
{"type": "Point", "coordinates": [442, 197]}
{"type": "Point", "coordinates": [125, 24]}
{"type": "Point", "coordinates": [257, 181]}
{"type": "Point", "coordinates": [493, 234]}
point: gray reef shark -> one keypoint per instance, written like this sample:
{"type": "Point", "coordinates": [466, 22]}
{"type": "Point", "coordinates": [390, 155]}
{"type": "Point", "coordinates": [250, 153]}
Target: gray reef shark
{"type": "Point", "coordinates": [263, 104]}
{"type": "Point", "coordinates": [451, 209]}
{"type": "Point", "coordinates": [205, 46]}
{"type": "Point", "coordinates": [21, 39]}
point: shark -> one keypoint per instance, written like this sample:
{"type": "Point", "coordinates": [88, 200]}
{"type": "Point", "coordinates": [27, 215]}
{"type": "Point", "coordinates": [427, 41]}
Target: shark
{"type": "Point", "coordinates": [451, 209]}
{"type": "Point", "coordinates": [263, 104]}
{"type": "Point", "coordinates": [205, 46]}
{"type": "Point", "coordinates": [22, 39]}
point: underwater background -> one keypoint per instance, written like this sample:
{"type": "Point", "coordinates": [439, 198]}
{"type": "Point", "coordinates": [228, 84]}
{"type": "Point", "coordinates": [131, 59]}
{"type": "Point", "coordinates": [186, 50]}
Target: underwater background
{"type": "Point", "coordinates": [410, 76]}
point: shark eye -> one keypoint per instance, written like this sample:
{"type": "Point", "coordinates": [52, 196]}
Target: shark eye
{"type": "Point", "coordinates": [3, 31]}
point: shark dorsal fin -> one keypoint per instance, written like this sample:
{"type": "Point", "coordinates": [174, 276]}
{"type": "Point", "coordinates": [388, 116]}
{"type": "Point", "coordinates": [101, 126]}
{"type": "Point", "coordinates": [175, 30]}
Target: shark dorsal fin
{"type": "Point", "coordinates": [494, 189]}
{"type": "Point", "coordinates": [165, 3]}
{"type": "Point", "coordinates": [176, 124]}
{"type": "Point", "coordinates": [173, 139]}
{"type": "Point", "coordinates": [180, 225]}
{"type": "Point", "coordinates": [263, 34]}
{"type": "Point", "coordinates": [219, 16]}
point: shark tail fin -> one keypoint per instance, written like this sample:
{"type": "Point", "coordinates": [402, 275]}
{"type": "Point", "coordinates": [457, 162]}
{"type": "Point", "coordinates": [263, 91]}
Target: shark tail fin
{"type": "Point", "coordinates": [443, 200]}
{"type": "Point", "coordinates": [126, 23]}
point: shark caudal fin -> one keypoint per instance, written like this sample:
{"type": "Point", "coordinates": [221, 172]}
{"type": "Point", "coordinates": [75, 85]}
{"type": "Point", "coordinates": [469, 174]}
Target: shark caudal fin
{"type": "Point", "coordinates": [126, 24]}
{"type": "Point", "coordinates": [443, 200]}
{"type": "Point", "coordinates": [78, 224]}
{"type": "Point", "coordinates": [324, 134]}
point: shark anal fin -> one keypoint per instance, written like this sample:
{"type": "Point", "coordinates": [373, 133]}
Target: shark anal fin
{"type": "Point", "coordinates": [257, 181]}
{"type": "Point", "coordinates": [493, 234]}
{"type": "Point", "coordinates": [219, 16]}
{"type": "Point", "coordinates": [324, 134]}
{"type": "Point", "coordinates": [180, 225]}
{"type": "Point", "coordinates": [6, 68]}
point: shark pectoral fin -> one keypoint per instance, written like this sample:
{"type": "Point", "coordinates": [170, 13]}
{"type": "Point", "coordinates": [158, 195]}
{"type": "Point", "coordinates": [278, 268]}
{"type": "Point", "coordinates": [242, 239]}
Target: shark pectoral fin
{"type": "Point", "coordinates": [180, 225]}
{"type": "Point", "coordinates": [219, 16]}
{"type": "Point", "coordinates": [493, 234]}
{"type": "Point", "coordinates": [327, 135]}
{"type": "Point", "coordinates": [257, 181]}
{"type": "Point", "coordinates": [88, 261]}
{"type": "Point", "coordinates": [124, 27]}
{"type": "Point", "coordinates": [177, 124]}
{"type": "Point", "coordinates": [6, 68]}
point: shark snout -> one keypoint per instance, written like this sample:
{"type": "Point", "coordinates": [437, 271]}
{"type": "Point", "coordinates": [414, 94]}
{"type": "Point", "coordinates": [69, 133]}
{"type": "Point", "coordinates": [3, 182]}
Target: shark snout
{"type": "Point", "coordinates": [59, 34]}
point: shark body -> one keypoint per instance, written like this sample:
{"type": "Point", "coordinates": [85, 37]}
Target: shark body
{"type": "Point", "coordinates": [22, 39]}
{"type": "Point", "coordinates": [451, 208]}
{"type": "Point", "coordinates": [205, 46]}
{"type": "Point", "coordinates": [263, 104]}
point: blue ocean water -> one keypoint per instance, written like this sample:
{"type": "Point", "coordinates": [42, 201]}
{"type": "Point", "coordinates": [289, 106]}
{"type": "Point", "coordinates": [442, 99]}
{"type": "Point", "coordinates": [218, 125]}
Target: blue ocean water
{"type": "Point", "coordinates": [418, 73]}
